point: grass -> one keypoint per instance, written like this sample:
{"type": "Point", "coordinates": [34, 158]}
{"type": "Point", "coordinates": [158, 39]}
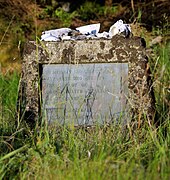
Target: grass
{"type": "Point", "coordinates": [98, 153]}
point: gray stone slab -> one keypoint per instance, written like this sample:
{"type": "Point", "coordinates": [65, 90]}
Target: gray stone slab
{"type": "Point", "coordinates": [39, 56]}
{"type": "Point", "coordinates": [84, 94]}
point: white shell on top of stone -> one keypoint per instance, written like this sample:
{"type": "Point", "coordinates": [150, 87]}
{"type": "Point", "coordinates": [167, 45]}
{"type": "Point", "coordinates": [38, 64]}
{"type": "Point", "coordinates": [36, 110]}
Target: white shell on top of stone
{"type": "Point", "coordinates": [89, 29]}
{"type": "Point", "coordinates": [57, 33]}
{"type": "Point", "coordinates": [118, 28]}
{"type": "Point", "coordinates": [103, 35]}
{"type": "Point", "coordinates": [49, 37]}
{"type": "Point", "coordinates": [66, 37]}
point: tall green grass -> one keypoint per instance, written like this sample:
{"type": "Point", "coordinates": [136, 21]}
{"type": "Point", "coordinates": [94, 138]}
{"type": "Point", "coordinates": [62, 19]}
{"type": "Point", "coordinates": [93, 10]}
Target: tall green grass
{"type": "Point", "coordinates": [94, 153]}
{"type": "Point", "coordinates": [160, 66]}
{"type": "Point", "coordinates": [8, 98]}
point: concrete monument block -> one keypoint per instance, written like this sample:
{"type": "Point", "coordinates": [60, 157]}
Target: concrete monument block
{"type": "Point", "coordinates": [86, 81]}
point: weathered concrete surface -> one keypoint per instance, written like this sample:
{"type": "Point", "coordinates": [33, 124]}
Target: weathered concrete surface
{"type": "Point", "coordinates": [118, 49]}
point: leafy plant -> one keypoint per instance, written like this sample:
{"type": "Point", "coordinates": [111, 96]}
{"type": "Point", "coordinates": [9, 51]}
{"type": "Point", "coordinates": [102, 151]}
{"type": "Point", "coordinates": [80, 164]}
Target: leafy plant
{"type": "Point", "coordinates": [65, 17]}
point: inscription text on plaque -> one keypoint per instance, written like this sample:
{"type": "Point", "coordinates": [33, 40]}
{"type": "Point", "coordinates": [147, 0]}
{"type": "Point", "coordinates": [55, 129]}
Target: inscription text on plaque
{"type": "Point", "coordinates": [84, 94]}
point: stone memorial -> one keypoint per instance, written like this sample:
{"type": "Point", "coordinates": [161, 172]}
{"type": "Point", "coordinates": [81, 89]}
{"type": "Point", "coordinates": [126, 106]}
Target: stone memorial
{"type": "Point", "coordinates": [86, 82]}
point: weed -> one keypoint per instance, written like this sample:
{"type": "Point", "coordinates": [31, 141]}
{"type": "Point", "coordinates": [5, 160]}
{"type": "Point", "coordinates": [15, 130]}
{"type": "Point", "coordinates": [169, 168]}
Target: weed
{"type": "Point", "coordinates": [65, 17]}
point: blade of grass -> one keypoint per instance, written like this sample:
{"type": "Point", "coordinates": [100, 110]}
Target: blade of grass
{"type": "Point", "coordinates": [9, 155]}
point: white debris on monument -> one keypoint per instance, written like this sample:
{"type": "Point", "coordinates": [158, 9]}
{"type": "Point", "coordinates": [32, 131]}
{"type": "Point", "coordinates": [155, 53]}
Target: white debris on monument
{"type": "Point", "coordinates": [86, 32]}
{"type": "Point", "coordinates": [118, 28]}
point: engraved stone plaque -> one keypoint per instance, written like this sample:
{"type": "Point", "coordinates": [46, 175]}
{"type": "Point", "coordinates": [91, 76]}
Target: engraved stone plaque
{"type": "Point", "coordinates": [84, 94]}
